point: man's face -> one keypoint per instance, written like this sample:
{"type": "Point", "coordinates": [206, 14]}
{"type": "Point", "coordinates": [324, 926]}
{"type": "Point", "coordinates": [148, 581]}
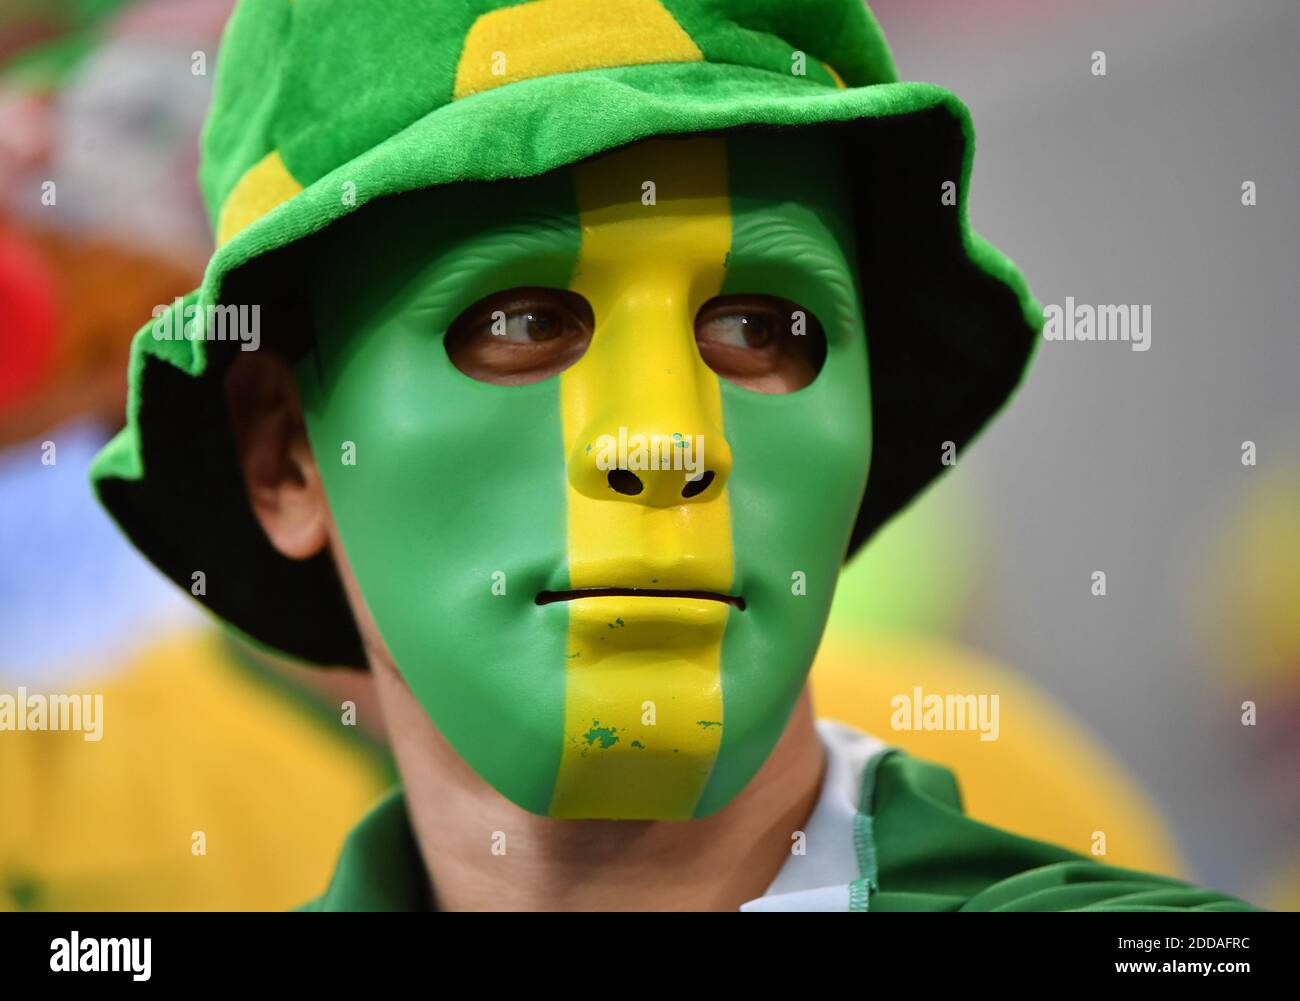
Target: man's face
{"type": "Point", "coordinates": [594, 443]}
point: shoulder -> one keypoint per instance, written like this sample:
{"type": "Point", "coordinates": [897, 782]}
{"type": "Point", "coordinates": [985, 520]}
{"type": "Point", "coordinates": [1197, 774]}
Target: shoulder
{"type": "Point", "coordinates": [379, 868]}
{"type": "Point", "coordinates": [929, 855]}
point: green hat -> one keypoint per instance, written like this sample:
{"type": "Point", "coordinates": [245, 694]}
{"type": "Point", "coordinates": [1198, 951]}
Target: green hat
{"type": "Point", "coordinates": [324, 105]}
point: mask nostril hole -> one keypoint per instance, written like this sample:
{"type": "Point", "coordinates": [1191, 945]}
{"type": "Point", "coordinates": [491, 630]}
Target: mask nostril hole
{"type": "Point", "coordinates": [624, 481]}
{"type": "Point", "coordinates": [694, 487]}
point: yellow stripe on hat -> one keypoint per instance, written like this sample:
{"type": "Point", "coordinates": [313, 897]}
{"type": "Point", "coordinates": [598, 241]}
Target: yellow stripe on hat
{"type": "Point", "coordinates": [643, 687]}
{"type": "Point", "coordinates": [264, 185]}
{"type": "Point", "coordinates": [839, 80]}
{"type": "Point", "coordinates": [546, 37]}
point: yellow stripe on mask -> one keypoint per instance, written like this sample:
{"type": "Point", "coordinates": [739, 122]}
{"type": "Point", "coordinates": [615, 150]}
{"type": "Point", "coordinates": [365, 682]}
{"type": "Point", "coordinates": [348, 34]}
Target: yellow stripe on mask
{"type": "Point", "coordinates": [643, 698]}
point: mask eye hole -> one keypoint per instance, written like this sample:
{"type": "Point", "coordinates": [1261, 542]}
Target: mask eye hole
{"type": "Point", "coordinates": [520, 335]}
{"type": "Point", "coordinates": [761, 342]}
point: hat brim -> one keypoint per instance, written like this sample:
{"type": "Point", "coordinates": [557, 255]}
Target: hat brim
{"type": "Point", "coordinates": [951, 323]}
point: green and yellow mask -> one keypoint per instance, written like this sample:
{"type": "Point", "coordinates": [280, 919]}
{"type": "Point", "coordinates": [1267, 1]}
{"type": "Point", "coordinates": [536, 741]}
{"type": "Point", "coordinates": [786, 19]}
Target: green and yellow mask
{"type": "Point", "coordinates": [594, 443]}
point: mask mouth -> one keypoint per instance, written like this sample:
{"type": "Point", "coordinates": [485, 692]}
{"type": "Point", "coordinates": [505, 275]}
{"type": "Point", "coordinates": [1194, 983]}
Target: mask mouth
{"type": "Point", "coordinates": [547, 597]}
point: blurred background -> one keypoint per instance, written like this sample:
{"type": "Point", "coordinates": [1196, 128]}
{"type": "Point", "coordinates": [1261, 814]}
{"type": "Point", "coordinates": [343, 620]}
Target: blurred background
{"type": "Point", "coordinates": [1120, 714]}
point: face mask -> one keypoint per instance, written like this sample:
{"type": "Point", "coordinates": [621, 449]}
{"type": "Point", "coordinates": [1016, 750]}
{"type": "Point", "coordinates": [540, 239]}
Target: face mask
{"type": "Point", "coordinates": [469, 510]}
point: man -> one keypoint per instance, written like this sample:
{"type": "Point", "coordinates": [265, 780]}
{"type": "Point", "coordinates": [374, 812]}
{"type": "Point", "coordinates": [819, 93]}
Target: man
{"type": "Point", "coordinates": [598, 334]}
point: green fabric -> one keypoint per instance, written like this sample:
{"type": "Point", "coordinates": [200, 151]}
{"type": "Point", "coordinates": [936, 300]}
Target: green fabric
{"type": "Point", "coordinates": [917, 849]}
{"type": "Point", "coordinates": [380, 868]}
{"type": "Point", "coordinates": [950, 322]}
{"type": "Point", "coordinates": [933, 857]}
{"type": "Point", "coordinates": [276, 91]}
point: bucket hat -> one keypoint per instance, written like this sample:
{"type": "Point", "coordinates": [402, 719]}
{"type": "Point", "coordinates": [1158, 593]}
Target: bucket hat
{"type": "Point", "coordinates": [322, 106]}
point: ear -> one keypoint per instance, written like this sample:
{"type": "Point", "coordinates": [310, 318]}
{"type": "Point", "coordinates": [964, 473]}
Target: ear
{"type": "Point", "coordinates": [280, 473]}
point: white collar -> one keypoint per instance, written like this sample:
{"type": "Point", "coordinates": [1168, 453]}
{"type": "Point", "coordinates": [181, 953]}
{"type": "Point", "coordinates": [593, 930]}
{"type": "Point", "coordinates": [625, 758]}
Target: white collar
{"type": "Point", "coordinates": [820, 879]}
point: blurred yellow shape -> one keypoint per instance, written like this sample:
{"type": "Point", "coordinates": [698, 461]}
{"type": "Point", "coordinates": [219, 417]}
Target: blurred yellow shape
{"type": "Point", "coordinates": [1044, 777]}
{"type": "Point", "coordinates": [191, 743]}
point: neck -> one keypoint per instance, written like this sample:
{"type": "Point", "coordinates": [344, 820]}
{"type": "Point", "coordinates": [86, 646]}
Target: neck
{"type": "Point", "coordinates": [462, 826]}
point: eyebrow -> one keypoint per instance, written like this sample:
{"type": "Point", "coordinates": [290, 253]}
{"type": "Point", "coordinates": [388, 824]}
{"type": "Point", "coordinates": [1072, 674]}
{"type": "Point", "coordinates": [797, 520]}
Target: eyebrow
{"type": "Point", "coordinates": [758, 237]}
